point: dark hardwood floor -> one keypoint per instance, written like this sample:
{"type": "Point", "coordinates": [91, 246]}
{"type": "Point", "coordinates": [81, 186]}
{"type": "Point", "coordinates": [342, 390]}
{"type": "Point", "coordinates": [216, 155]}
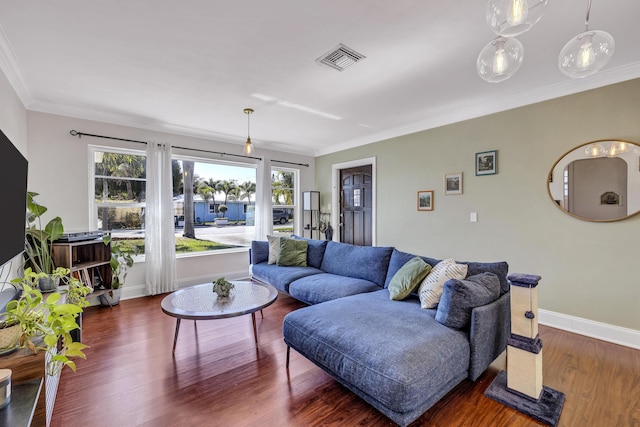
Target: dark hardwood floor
{"type": "Point", "coordinates": [218, 378]}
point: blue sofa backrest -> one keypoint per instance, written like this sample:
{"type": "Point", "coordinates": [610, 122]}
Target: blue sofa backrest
{"type": "Point", "coordinates": [259, 252]}
{"type": "Point", "coordinates": [361, 262]}
{"type": "Point", "coordinates": [500, 269]}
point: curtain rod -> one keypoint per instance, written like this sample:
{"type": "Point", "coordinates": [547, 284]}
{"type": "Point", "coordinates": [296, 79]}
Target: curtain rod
{"type": "Point", "coordinates": [81, 134]}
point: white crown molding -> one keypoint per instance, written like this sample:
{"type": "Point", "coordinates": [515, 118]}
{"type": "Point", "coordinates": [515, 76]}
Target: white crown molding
{"type": "Point", "coordinates": [94, 113]}
{"type": "Point", "coordinates": [590, 328]}
{"type": "Point", "coordinates": [10, 65]}
{"type": "Point", "coordinates": [568, 87]}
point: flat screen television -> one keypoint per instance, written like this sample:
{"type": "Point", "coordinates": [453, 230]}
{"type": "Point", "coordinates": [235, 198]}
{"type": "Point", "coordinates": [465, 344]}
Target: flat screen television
{"type": "Point", "coordinates": [13, 176]}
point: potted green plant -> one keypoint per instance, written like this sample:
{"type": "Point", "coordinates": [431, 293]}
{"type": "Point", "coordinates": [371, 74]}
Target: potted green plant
{"type": "Point", "coordinates": [222, 287]}
{"type": "Point", "coordinates": [48, 319]}
{"type": "Point", "coordinates": [122, 253]}
{"type": "Point", "coordinates": [38, 244]}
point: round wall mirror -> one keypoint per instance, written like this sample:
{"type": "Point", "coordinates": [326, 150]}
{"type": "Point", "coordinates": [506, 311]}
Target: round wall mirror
{"type": "Point", "coordinates": [598, 181]}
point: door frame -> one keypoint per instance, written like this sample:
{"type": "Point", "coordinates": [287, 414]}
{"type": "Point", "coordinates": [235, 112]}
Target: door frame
{"type": "Point", "coordinates": [335, 194]}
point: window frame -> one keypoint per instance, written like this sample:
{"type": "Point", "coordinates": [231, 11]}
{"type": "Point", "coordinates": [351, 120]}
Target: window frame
{"type": "Point", "coordinates": [93, 205]}
{"type": "Point", "coordinates": [295, 207]}
{"type": "Point", "coordinates": [214, 204]}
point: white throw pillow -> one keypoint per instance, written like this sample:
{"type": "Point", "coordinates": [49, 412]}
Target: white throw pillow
{"type": "Point", "coordinates": [274, 249]}
{"type": "Point", "coordinates": [430, 289]}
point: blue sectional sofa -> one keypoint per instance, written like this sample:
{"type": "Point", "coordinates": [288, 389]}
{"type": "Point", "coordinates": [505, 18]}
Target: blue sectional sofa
{"type": "Point", "coordinates": [397, 356]}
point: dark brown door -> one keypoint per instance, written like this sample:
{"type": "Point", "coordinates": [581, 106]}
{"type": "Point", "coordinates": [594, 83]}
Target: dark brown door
{"type": "Point", "coordinates": [356, 207]}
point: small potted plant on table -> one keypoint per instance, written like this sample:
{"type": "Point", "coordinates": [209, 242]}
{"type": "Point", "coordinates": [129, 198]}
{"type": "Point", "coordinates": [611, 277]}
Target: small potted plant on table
{"type": "Point", "coordinates": [222, 287]}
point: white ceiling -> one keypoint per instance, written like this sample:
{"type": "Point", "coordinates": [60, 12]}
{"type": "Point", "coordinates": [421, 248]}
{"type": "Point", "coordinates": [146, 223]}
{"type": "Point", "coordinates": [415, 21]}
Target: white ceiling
{"type": "Point", "coordinates": [191, 67]}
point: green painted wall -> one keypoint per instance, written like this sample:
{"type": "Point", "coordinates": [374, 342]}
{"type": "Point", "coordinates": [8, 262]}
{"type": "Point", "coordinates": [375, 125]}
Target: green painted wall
{"type": "Point", "coordinates": [589, 270]}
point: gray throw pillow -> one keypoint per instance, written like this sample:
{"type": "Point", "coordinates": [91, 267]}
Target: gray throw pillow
{"type": "Point", "coordinates": [459, 297]}
{"type": "Point", "coordinates": [274, 248]}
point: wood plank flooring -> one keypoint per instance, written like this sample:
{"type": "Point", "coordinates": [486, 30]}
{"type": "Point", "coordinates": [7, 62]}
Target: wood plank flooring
{"type": "Point", "coordinates": [218, 378]}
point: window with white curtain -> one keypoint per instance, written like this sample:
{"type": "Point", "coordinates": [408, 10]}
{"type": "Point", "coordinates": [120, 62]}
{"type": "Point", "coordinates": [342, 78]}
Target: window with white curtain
{"type": "Point", "coordinates": [118, 199]}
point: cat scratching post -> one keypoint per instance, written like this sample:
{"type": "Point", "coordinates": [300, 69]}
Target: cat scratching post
{"type": "Point", "coordinates": [520, 387]}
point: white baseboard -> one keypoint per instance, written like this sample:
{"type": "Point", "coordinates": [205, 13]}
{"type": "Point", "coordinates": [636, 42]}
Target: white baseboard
{"type": "Point", "coordinates": [590, 328]}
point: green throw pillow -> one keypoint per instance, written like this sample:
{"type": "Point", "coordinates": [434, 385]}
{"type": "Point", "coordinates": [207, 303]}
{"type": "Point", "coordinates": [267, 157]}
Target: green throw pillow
{"type": "Point", "coordinates": [293, 253]}
{"type": "Point", "coordinates": [407, 279]}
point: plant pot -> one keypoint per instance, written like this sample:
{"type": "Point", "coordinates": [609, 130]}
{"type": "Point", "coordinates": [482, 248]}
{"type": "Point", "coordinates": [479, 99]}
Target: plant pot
{"type": "Point", "coordinates": [111, 298]}
{"type": "Point", "coordinates": [9, 338]}
{"type": "Point", "coordinates": [48, 284]}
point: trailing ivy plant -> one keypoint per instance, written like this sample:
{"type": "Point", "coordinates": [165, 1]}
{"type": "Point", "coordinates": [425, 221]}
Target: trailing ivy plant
{"type": "Point", "coordinates": [49, 319]}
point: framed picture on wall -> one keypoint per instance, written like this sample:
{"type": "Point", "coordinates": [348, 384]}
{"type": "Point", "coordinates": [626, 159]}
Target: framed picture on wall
{"type": "Point", "coordinates": [453, 183]}
{"type": "Point", "coordinates": [487, 163]}
{"type": "Point", "coordinates": [425, 200]}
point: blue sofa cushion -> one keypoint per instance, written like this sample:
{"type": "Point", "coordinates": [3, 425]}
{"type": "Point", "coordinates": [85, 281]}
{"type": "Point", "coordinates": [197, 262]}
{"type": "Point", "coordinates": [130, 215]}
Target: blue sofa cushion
{"type": "Point", "coordinates": [394, 351]}
{"type": "Point", "coordinates": [399, 259]}
{"type": "Point", "coordinates": [459, 297]}
{"type": "Point", "coordinates": [362, 262]}
{"type": "Point", "coordinates": [326, 287]}
{"type": "Point", "coordinates": [500, 269]}
{"type": "Point", "coordinates": [280, 277]}
{"type": "Point", "coordinates": [315, 250]}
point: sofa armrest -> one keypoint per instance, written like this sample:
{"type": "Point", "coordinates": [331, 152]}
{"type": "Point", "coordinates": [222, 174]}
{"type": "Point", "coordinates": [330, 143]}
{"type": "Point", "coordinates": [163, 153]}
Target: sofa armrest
{"type": "Point", "coordinates": [259, 252]}
{"type": "Point", "coordinates": [490, 329]}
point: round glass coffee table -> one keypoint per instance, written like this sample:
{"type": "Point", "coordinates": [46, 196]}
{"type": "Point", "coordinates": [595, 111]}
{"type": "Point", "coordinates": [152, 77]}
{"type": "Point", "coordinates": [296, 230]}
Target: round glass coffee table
{"type": "Point", "coordinates": [201, 303]}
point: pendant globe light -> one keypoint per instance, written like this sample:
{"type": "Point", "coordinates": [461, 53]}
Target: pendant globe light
{"type": "Point", "coordinates": [510, 18]}
{"type": "Point", "coordinates": [248, 146]}
{"type": "Point", "coordinates": [500, 59]}
{"type": "Point", "coordinates": [586, 53]}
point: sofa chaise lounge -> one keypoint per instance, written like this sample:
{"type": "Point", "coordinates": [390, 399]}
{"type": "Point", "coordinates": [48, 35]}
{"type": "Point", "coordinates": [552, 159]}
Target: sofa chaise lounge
{"type": "Point", "coordinates": [394, 354]}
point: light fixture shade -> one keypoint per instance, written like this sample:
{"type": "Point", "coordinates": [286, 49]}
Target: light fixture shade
{"type": "Point", "coordinates": [510, 18]}
{"type": "Point", "coordinates": [248, 147]}
{"type": "Point", "coordinates": [586, 53]}
{"type": "Point", "coordinates": [500, 59]}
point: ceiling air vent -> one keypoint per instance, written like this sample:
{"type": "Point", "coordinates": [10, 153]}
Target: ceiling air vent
{"type": "Point", "coordinates": [340, 57]}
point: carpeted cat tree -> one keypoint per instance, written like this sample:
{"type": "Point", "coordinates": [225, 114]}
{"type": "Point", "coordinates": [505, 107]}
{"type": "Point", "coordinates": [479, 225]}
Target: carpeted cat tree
{"type": "Point", "coordinates": [520, 387]}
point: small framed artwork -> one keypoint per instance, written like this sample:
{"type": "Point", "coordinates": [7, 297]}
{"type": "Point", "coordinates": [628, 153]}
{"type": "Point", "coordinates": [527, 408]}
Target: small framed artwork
{"type": "Point", "coordinates": [453, 183]}
{"type": "Point", "coordinates": [487, 163]}
{"type": "Point", "coordinates": [425, 200]}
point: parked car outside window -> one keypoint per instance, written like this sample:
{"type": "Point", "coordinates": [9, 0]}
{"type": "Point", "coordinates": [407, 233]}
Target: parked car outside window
{"type": "Point", "coordinates": [281, 216]}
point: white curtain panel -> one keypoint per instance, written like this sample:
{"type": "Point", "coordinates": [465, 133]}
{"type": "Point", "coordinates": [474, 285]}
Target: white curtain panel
{"type": "Point", "coordinates": [160, 249]}
{"type": "Point", "coordinates": [264, 213]}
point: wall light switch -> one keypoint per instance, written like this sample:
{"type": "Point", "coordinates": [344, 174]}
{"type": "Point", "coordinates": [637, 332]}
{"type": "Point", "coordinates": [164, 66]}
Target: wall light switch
{"type": "Point", "coordinates": [473, 217]}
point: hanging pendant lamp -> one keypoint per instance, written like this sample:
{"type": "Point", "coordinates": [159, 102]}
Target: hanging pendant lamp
{"type": "Point", "coordinates": [248, 146]}
{"type": "Point", "coordinates": [586, 53]}
{"type": "Point", "coordinates": [500, 59]}
{"type": "Point", "coordinates": [510, 18]}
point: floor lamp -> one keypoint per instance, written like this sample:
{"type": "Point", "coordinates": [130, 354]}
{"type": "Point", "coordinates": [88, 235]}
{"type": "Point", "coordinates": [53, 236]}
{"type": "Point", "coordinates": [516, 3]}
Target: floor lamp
{"type": "Point", "coordinates": [520, 387]}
